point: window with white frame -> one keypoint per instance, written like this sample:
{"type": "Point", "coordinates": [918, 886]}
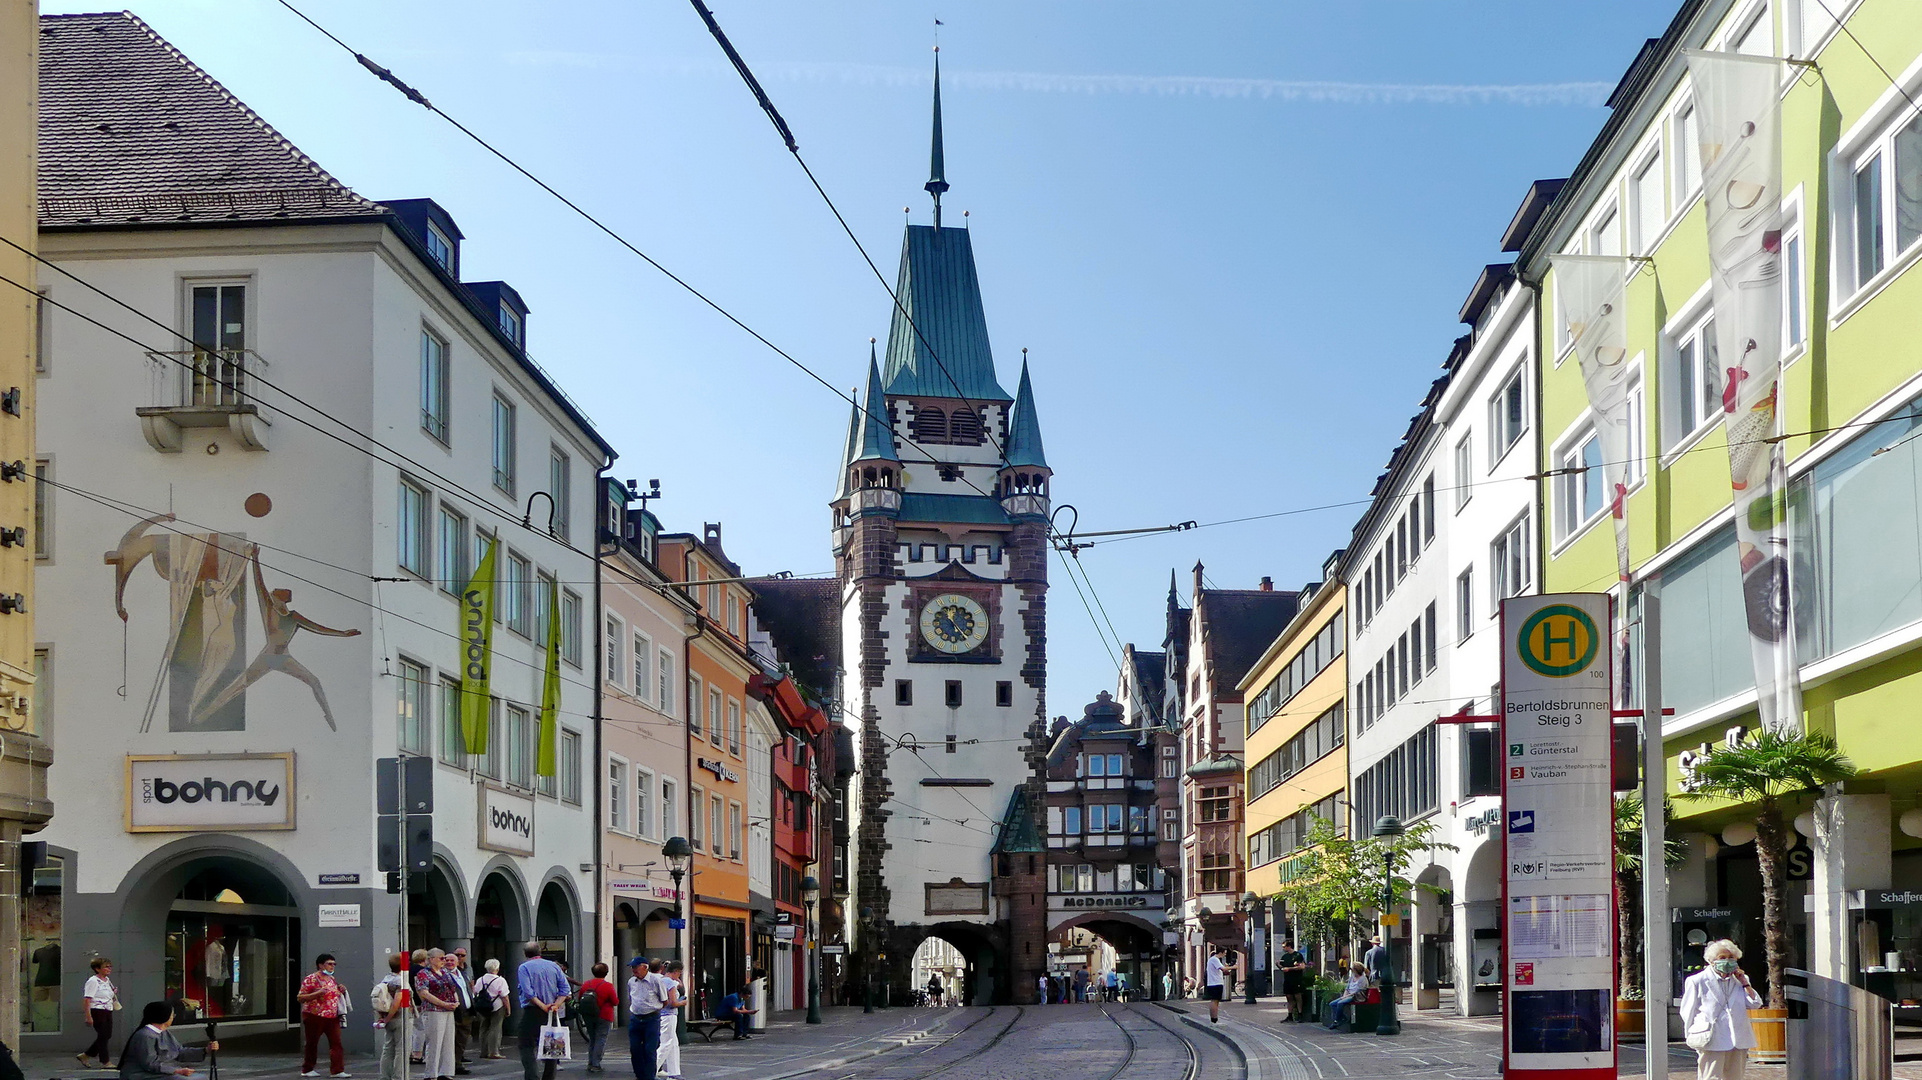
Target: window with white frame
{"type": "Point", "coordinates": [617, 794]}
{"type": "Point", "coordinates": [1507, 417]}
{"type": "Point", "coordinates": [503, 444]}
{"type": "Point", "coordinates": [43, 509]}
{"type": "Point", "coordinates": [670, 809]}
{"type": "Point", "coordinates": [560, 484]}
{"type": "Point", "coordinates": [1795, 296]}
{"type": "Point", "coordinates": [411, 707]}
{"type": "Point", "coordinates": [716, 831]}
{"type": "Point", "coordinates": [1691, 381]}
{"type": "Point", "coordinates": [1755, 35]}
{"type": "Point", "coordinates": [665, 700]}
{"type": "Point", "coordinates": [520, 747]}
{"type": "Point", "coordinates": [544, 587]}
{"type": "Point", "coordinates": [714, 715]}
{"type": "Point", "coordinates": [1464, 470]}
{"type": "Point", "coordinates": [439, 247]}
{"type": "Point", "coordinates": [1465, 604]}
{"type": "Point", "coordinates": [1685, 130]}
{"type": "Point", "coordinates": [643, 666]}
{"type": "Point", "coordinates": [1605, 236]}
{"type": "Point", "coordinates": [1883, 218]}
{"type": "Point", "coordinates": [616, 633]}
{"type": "Point", "coordinates": [733, 726]}
{"type": "Point", "coordinates": [489, 763]}
{"type": "Point", "coordinates": [570, 766]}
{"type": "Point", "coordinates": [571, 628]}
{"type": "Point", "coordinates": [1579, 485]}
{"type": "Point", "coordinates": [411, 529]}
{"type": "Point", "coordinates": [520, 584]}
{"type": "Point", "coordinates": [694, 705]}
{"type": "Point", "coordinates": [697, 817]}
{"type": "Point", "coordinates": [1637, 465]}
{"type": "Point", "coordinates": [1508, 558]}
{"type": "Point", "coordinates": [1648, 203]}
{"type": "Point", "coordinates": [450, 545]}
{"type": "Point", "coordinates": [643, 802]}
{"type": "Point", "coordinates": [453, 743]}
{"type": "Point", "coordinates": [434, 397]}
{"type": "Point", "coordinates": [512, 324]}
{"type": "Point", "coordinates": [1808, 24]}
{"type": "Point", "coordinates": [1428, 510]}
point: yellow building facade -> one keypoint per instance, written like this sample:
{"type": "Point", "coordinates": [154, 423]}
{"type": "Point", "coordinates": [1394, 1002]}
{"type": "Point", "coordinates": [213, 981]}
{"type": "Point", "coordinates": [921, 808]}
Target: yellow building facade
{"type": "Point", "coordinates": [1296, 741]}
{"type": "Point", "coordinates": [25, 749]}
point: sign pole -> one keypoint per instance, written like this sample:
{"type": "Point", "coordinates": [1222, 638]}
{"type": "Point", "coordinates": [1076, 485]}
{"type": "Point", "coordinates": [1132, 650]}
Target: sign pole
{"type": "Point", "coordinates": [1655, 916]}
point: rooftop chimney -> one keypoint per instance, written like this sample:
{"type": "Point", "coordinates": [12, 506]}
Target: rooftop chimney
{"type": "Point", "coordinates": [1267, 584]}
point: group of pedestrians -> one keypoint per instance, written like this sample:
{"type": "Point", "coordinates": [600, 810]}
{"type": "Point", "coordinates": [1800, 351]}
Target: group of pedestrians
{"type": "Point", "coordinates": [1082, 986]}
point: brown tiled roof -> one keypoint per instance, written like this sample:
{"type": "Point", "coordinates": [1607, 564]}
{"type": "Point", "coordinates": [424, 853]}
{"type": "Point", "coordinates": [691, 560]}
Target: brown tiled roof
{"type": "Point", "coordinates": [803, 617]}
{"type": "Point", "coordinates": [1242, 623]}
{"type": "Point", "coordinates": [133, 132]}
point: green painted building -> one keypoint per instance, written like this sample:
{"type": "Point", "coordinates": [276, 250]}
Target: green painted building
{"type": "Point", "coordinates": [1851, 409]}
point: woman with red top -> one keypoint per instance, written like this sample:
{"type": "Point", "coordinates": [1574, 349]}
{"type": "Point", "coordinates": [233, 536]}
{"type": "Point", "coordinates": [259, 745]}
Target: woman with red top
{"type": "Point", "coordinates": [437, 996]}
{"type": "Point", "coordinates": [600, 1018]}
{"type": "Point", "coordinates": [320, 1008]}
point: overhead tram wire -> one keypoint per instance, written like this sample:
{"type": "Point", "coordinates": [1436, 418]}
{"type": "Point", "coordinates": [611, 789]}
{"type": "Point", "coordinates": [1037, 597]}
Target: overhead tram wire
{"type": "Point", "coordinates": [400, 459]}
{"type": "Point", "coordinates": [387, 76]}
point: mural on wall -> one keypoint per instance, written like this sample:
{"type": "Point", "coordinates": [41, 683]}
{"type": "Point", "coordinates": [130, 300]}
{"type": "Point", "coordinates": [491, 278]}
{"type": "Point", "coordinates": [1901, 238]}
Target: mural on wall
{"type": "Point", "coordinates": [201, 671]}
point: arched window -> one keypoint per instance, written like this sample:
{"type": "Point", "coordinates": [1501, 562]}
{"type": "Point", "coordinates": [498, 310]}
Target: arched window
{"type": "Point", "coordinates": [964, 427]}
{"type": "Point", "coordinates": [930, 425]}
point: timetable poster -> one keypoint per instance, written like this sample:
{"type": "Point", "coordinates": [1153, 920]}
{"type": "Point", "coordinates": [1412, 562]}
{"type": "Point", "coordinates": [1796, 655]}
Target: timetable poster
{"type": "Point", "coordinates": [1558, 871]}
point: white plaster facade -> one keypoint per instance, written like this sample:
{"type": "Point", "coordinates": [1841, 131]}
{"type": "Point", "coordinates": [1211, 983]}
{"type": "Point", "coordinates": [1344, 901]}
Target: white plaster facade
{"type": "Point", "coordinates": [1477, 491]}
{"type": "Point", "coordinates": [338, 313]}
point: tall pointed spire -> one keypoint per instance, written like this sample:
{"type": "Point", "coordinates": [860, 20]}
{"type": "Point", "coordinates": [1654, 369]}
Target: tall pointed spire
{"type": "Point", "coordinates": [877, 435]}
{"type": "Point", "coordinates": [937, 160]}
{"type": "Point", "coordinates": [846, 486]}
{"type": "Point", "coordinates": [1024, 427]}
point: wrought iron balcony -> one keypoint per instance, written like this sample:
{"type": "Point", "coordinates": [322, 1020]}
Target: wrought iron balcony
{"type": "Point", "coordinates": [203, 388]}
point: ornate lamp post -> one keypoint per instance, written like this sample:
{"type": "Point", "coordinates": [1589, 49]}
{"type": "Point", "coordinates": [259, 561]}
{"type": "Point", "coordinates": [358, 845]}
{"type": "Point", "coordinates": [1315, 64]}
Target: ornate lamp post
{"type": "Point", "coordinates": [1256, 908]}
{"type": "Point", "coordinates": [810, 896]}
{"type": "Point", "coordinates": [679, 855]}
{"type": "Point", "coordinates": [1388, 828]}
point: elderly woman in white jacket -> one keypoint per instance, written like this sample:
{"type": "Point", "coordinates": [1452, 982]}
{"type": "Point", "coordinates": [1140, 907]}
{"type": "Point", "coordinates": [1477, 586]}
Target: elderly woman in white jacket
{"type": "Point", "coordinates": [1715, 1004]}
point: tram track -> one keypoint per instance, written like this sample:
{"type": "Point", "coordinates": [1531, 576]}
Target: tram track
{"type": "Point", "coordinates": [885, 1065]}
{"type": "Point", "coordinates": [1192, 1069]}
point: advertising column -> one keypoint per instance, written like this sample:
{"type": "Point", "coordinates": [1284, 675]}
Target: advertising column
{"type": "Point", "coordinates": [1557, 883]}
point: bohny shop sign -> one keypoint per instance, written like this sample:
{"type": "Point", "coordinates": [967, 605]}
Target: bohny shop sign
{"type": "Point", "coordinates": [192, 792]}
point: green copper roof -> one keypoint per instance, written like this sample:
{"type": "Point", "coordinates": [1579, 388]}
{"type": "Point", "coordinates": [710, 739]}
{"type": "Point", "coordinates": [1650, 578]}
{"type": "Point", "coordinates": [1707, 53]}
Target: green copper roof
{"type": "Point", "coordinates": [877, 435]}
{"type": "Point", "coordinates": [939, 289]}
{"type": "Point", "coordinates": [1019, 834]}
{"type": "Point", "coordinates": [841, 487]}
{"type": "Point", "coordinates": [937, 161]}
{"type": "Point", "coordinates": [959, 509]}
{"type": "Point", "coordinates": [1024, 428]}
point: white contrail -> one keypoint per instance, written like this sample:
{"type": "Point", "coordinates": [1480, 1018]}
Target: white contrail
{"type": "Point", "coordinates": [1035, 82]}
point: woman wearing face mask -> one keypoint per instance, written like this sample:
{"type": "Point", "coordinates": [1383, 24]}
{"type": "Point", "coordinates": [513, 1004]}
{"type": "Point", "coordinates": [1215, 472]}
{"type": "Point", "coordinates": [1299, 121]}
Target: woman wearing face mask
{"type": "Point", "coordinates": [1715, 1005]}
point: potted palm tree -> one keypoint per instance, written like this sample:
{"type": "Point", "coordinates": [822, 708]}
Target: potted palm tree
{"type": "Point", "coordinates": [1763, 770]}
{"type": "Point", "coordinates": [1630, 993]}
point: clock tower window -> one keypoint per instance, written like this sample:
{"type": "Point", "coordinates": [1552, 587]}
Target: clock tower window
{"type": "Point", "coordinates": [954, 693]}
{"type": "Point", "coordinates": [903, 691]}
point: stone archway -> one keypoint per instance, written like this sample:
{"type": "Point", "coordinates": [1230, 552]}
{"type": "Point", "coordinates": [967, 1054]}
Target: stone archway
{"type": "Point", "coordinates": [503, 919]}
{"type": "Point", "coordinates": [1139, 958]}
{"type": "Point", "coordinates": [1478, 895]}
{"type": "Point", "coordinates": [1430, 961]}
{"type": "Point", "coordinates": [984, 977]}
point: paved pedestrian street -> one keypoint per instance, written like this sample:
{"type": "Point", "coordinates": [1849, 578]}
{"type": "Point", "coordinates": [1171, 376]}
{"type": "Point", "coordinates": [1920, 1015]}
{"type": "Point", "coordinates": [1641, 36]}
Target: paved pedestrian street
{"type": "Point", "coordinates": [1139, 1041]}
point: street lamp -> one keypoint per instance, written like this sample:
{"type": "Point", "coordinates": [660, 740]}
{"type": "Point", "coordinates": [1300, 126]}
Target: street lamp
{"type": "Point", "coordinates": [679, 855]}
{"type": "Point", "coordinates": [1256, 909]}
{"type": "Point", "coordinates": [1386, 830]}
{"type": "Point", "coordinates": [810, 896]}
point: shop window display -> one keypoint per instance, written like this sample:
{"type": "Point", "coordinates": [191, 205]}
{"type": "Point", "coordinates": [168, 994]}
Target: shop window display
{"type": "Point", "coordinates": [227, 954]}
{"type": "Point", "coordinates": [40, 952]}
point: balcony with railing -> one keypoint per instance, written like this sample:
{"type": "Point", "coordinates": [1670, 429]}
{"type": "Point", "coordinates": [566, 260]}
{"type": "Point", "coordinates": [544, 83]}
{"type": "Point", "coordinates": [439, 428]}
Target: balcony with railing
{"type": "Point", "coordinates": [203, 388]}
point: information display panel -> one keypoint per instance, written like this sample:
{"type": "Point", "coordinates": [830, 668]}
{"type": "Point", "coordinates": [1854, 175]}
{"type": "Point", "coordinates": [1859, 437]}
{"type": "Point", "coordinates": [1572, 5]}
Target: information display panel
{"type": "Point", "coordinates": [1558, 838]}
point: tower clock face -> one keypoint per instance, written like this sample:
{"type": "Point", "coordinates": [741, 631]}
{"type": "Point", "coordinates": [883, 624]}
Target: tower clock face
{"type": "Point", "coordinates": [954, 624]}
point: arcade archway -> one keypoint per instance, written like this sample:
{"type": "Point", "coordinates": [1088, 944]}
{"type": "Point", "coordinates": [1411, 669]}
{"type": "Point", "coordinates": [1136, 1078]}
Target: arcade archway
{"type": "Point", "coordinates": [980, 973]}
{"type": "Point", "coordinates": [1135, 954]}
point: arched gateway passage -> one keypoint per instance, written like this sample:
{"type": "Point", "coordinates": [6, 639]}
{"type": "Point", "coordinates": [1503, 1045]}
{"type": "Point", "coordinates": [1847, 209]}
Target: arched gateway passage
{"type": "Point", "coordinates": [980, 975]}
{"type": "Point", "coordinates": [1139, 959]}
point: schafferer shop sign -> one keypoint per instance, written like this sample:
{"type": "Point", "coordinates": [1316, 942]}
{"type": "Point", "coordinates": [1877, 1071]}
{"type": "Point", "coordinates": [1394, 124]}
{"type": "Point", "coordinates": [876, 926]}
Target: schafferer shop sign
{"type": "Point", "coordinates": [196, 792]}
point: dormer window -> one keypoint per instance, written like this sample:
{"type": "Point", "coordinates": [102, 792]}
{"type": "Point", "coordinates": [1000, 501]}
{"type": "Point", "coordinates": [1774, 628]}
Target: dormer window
{"type": "Point", "coordinates": [439, 247]}
{"type": "Point", "coordinates": [511, 324]}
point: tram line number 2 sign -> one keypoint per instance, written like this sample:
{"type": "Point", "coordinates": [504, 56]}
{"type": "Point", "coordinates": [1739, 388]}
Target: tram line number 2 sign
{"type": "Point", "coordinates": [1558, 937]}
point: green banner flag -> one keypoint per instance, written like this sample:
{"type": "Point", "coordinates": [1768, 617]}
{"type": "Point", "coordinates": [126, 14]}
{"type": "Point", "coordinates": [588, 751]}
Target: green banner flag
{"type": "Point", "coordinates": [550, 687]}
{"type": "Point", "coordinates": [477, 653]}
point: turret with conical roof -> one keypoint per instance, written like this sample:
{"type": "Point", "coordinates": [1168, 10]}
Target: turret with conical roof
{"type": "Point", "coordinates": [871, 473]}
{"type": "Point", "coordinates": [1023, 482]}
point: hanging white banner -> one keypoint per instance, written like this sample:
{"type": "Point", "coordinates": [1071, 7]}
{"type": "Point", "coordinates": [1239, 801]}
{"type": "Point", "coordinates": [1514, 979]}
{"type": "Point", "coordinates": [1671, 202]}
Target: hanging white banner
{"type": "Point", "coordinates": [1738, 106]}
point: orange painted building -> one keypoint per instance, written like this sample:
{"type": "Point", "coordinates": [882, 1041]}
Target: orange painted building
{"type": "Point", "coordinates": [718, 667]}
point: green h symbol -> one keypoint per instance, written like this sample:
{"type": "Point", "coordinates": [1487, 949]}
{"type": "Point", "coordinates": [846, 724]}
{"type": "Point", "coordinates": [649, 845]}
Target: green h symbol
{"type": "Point", "coordinates": [1550, 639]}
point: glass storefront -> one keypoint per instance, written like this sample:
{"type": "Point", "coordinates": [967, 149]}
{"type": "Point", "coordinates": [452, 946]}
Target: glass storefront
{"type": "Point", "coordinates": [228, 954]}
{"type": "Point", "coordinates": [41, 925]}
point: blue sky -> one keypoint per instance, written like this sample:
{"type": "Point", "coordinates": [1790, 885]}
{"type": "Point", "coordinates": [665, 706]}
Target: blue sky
{"type": "Point", "coordinates": [1234, 236]}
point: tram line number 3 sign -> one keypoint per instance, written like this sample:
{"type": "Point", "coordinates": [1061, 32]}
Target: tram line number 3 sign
{"type": "Point", "coordinates": [1558, 939]}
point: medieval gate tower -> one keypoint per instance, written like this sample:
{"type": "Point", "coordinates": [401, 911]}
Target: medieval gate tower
{"type": "Point", "coordinates": [941, 544]}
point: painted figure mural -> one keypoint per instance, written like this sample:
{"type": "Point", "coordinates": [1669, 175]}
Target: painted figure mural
{"type": "Point", "coordinates": [201, 669]}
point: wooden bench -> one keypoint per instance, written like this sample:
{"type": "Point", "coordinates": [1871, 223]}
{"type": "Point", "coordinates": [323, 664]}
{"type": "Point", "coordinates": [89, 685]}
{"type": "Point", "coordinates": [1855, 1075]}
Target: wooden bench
{"type": "Point", "coordinates": [707, 1028]}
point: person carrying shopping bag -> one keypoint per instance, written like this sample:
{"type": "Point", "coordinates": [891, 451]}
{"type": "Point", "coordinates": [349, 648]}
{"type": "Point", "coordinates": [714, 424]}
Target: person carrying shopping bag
{"type": "Point", "coordinates": [1715, 1020]}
